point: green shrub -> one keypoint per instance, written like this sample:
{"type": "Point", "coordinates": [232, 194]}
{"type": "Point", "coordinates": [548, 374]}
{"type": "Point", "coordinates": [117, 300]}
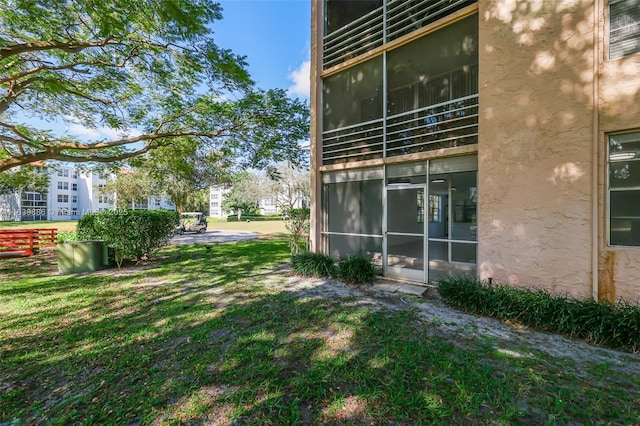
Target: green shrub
{"type": "Point", "coordinates": [297, 223]}
{"type": "Point", "coordinates": [135, 234]}
{"type": "Point", "coordinates": [356, 269]}
{"type": "Point", "coordinates": [313, 264]}
{"type": "Point", "coordinates": [67, 237]}
{"type": "Point", "coordinates": [616, 326]}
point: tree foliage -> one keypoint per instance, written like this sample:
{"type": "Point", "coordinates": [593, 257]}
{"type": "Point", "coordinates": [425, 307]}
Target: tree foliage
{"type": "Point", "coordinates": [245, 193]}
{"type": "Point", "coordinates": [289, 186]}
{"type": "Point", "coordinates": [151, 70]}
{"type": "Point", "coordinates": [128, 187]}
{"type": "Point", "coordinates": [135, 234]}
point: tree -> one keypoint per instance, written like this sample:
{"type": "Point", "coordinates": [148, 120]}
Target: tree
{"type": "Point", "coordinates": [185, 169]}
{"type": "Point", "coordinates": [129, 187]}
{"type": "Point", "coordinates": [245, 194]}
{"type": "Point", "coordinates": [289, 186]}
{"type": "Point", "coordinates": [148, 69]}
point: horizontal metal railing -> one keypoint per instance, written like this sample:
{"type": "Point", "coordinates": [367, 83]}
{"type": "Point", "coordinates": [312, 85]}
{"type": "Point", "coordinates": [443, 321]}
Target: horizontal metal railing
{"type": "Point", "coordinates": [444, 125]}
{"type": "Point", "coordinates": [363, 141]}
{"type": "Point", "coordinates": [354, 39]}
{"type": "Point", "coordinates": [377, 27]}
{"type": "Point", "coordinates": [405, 16]}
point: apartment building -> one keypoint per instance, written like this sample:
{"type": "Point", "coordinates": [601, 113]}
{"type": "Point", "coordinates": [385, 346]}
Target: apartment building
{"type": "Point", "coordinates": [70, 195]}
{"type": "Point", "coordinates": [496, 138]}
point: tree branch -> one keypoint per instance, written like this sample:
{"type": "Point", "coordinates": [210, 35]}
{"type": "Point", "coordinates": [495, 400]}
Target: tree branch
{"type": "Point", "coordinates": [70, 46]}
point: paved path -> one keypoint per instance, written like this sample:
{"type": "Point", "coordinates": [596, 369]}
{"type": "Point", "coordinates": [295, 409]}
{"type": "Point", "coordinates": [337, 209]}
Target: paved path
{"type": "Point", "coordinates": [220, 236]}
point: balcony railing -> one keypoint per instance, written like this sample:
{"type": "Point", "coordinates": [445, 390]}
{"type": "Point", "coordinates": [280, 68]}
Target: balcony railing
{"type": "Point", "coordinates": [356, 38]}
{"type": "Point", "coordinates": [372, 30]}
{"type": "Point", "coordinates": [405, 16]}
{"type": "Point", "coordinates": [363, 141]}
{"type": "Point", "coordinates": [444, 125]}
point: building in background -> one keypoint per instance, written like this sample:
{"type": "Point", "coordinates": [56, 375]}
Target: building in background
{"type": "Point", "coordinates": [70, 195]}
{"type": "Point", "coordinates": [498, 139]}
{"type": "Point", "coordinates": [216, 195]}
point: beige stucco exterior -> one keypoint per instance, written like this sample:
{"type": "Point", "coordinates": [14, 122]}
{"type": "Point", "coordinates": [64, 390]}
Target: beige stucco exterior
{"type": "Point", "coordinates": [619, 111]}
{"type": "Point", "coordinates": [535, 145]}
{"type": "Point", "coordinates": [542, 147]}
{"type": "Point", "coordinates": [549, 97]}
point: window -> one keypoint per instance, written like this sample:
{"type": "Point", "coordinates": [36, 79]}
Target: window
{"type": "Point", "coordinates": [435, 207]}
{"type": "Point", "coordinates": [74, 199]}
{"type": "Point", "coordinates": [215, 204]}
{"type": "Point", "coordinates": [63, 198]}
{"type": "Point", "coordinates": [624, 189]}
{"type": "Point", "coordinates": [74, 211]}
{"type": "Point", "coordinates": [74, 186]}
{"type": "Point", "coordinates": [624, 28]}
{"type": "Point", "coordinates": [64, 173]}
{"type": "Point", "coordinates": [63, 185]}
{"type": "Point", "coordinates": [62, 211]}
{"type": "Point", "coordinates": [74, 174]}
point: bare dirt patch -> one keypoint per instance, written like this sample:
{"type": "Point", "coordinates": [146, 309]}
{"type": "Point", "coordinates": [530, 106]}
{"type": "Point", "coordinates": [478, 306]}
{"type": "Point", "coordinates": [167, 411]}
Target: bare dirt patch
{"type": "Point", "coordinates": [511, 340]}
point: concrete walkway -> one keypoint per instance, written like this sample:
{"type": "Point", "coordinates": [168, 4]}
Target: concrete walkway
{"type": "Point", "coordinates": [220, 236]}
{"type": "Point", "coordinates": [400, 287]}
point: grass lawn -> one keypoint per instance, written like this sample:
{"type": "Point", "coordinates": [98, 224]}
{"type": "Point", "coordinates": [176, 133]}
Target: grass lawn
{"type": "Point", "coordinates": [61, 225]}
{"type": "Point", "coordinates": [218, 336]}
{"type": "Point", "coordinates": [262, 227]}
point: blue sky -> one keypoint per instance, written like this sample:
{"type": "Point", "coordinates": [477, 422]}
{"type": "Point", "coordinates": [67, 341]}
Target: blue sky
{"type": "Point", "coordinates": [274, 35]}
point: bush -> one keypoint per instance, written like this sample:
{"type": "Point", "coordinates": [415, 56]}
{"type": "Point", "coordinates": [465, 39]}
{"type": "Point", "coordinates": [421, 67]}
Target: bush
{"type": "Point", "coordinates": [615, 326]}
{"type": "Point", "coordinates": [297, 223]}
{"type": "Point", "coordinates": [356, 269]}
{"type": "Point", "coordinates": [135, 234]}
{"type": "Point", "coordinates": [66, 237]}
{"type": "Point", "coordinates": [313, 264]}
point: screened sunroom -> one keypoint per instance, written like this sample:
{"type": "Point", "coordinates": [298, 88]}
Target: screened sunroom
{"type": "Point", "coordinates": [399, 102]}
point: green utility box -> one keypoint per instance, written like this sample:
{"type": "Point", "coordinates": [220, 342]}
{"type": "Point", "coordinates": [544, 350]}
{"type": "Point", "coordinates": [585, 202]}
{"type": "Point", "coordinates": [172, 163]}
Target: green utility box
{"type": "Point", "coordinates": [82, 256]}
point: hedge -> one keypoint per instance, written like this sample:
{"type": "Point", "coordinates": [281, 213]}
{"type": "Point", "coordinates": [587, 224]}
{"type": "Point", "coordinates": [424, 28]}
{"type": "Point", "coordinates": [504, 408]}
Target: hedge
{"type": "Point", "coordinates": [135, 234]}
{"type": "Point", "coordinates": [615, 326]}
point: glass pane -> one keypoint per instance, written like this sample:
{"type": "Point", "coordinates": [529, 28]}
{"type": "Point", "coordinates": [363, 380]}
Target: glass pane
{"type": "Point", "coordinates": [464, 198]}
{"type": "Point", "coordinates": [405, 252]}
{"type": "Point", "coordinates": [439, 206]}
{"type": "Point", "coordinates": [353, 96]}
{"type": "Point", "coordinates": [463, 252]}
{"type": "Point", "coordinates": [624, 146]}
{"type": "Point", "coordinates": [624, 174]}
{"type": "Point", "coordinates": [405, 210]}
{"type": "Point", "coordinates": [625, 218]}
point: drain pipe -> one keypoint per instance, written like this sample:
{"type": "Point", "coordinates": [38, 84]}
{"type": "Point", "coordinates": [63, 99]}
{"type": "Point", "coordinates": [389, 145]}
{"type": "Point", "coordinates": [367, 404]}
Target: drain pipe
{"type": "Point", "coordinates": [595, 166]}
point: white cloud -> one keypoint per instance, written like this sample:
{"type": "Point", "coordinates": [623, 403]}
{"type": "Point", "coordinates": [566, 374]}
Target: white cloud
{"type": "Point", "coordinates": [301, 79]}
{"type": "Point", "coordinates": [80, 130]}
{"type": "Point", "coordinates": [103, 132]}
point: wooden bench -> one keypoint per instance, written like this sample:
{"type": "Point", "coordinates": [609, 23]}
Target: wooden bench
{"type": "Point", "coordinates": [25, 242]}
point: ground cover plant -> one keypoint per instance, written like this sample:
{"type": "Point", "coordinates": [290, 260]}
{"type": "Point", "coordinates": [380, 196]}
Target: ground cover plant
{"type": "Point", "coordinates": [615, 326]}
{"type": "Point", "coordinates": [310, 264]}
{"type": "Point", "coordinates": [356, 269]}
{"type": "Point", "coordinates": [227, 336]}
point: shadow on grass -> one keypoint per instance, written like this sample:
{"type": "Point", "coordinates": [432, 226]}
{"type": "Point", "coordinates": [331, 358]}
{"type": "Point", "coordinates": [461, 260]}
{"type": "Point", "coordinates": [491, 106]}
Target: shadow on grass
{"type": "Point", "coordinates": [197, 338]}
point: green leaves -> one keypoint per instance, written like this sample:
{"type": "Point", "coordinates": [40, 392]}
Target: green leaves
{"type": "Point", "coordinates": [134, 65]}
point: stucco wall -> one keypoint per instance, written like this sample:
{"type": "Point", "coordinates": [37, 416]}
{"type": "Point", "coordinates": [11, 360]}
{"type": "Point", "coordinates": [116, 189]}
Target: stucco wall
{"type": "Point", "coordinates": [535, 146]}
{"type": "Point", "coordinates": [619, 100]}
